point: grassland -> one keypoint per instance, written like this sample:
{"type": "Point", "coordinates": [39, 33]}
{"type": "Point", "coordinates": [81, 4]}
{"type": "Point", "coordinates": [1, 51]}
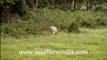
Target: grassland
{"type": "Point", "coordinates": [92, 40]}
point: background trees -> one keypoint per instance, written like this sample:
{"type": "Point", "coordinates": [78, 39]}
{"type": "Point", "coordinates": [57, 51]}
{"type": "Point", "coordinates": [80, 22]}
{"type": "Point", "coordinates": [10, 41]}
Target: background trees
{"type": "Point", "coordinates": [34, 16]}
{"type": "Point", "coordinates": [10, 7]}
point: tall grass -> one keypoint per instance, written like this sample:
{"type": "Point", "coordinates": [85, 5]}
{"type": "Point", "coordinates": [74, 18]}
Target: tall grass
{"type": "Point", "coordinates": [42, 19]}
{"type": "Point", "coordinates": [83, 18]}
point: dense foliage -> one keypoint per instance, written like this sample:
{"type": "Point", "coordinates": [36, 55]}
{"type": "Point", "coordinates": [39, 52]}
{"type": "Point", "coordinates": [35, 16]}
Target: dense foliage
{"type": "Point", "coordinates": [19, 17]}
{"type": "Point", "coordinates": [42, 19]}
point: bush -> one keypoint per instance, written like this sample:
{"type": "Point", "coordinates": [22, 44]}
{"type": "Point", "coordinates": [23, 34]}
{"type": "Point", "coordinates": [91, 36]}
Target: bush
{"type": "Point", "coordinates": [20, 28]}
{"type": "Point", "coordinates": [63, 19]}
{"type": "Point", "coordinates": [41, 20]}
{"type": "Point", "coordinates": [73, 27]}
{"type": "Point", "coordinates": [90, 19]}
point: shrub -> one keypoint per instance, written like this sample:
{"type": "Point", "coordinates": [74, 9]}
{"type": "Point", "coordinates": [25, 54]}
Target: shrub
{"type": "Point", "coordinates": [40, 20]}
{"type": "Point", "coordinates": [20, 28]}
{"type": "Point", "coordinates": [73, 27]}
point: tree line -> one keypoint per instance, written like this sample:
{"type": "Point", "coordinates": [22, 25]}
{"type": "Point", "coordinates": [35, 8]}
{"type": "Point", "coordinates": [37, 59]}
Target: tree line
{"type": "Point", "coordinates": [10, 7]}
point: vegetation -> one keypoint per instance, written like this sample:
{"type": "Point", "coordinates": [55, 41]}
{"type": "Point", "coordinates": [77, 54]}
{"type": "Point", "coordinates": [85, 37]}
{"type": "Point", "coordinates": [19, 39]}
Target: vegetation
{"type": "Point", "coordinates": [20, 17]}
{"type": "Point", "coordinates": [81, 25]}
{"type": "Point", "coordinates": [42, 19]}
{"type": "Point", "coordinates": [92, 40]}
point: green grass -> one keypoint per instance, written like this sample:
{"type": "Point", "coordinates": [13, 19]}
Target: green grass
{"type": "Point", "coordinates": [92, 40]}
